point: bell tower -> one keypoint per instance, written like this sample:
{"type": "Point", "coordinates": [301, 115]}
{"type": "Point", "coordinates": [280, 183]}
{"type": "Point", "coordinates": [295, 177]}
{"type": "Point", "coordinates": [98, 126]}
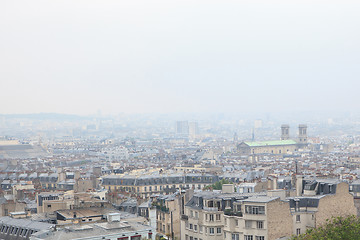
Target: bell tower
{"type": "Point", "coordinates": [302, 133]}
{"type": "Point", "coordinates": [285, 134]}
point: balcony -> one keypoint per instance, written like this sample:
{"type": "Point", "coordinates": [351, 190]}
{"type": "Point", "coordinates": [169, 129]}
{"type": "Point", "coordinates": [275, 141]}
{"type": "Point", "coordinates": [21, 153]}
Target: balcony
{"type": "Point", "coordinates": [211, 209]}
{"type": "Point", "coordinates": [232, 213]}
{"type": "Point", "coordinates": [184, 217]}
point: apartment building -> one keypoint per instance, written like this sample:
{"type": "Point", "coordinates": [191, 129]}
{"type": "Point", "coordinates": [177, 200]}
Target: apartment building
{"type": "Point", "coordinates": [169, 209]}
{"type": "Point", "coordinates": [146, 185]}
{"type": "Point", "coordinates": [21, 229]}
{"type": "Point", "coordinates": [264, 216]}
{"type": "Point", "coordinates": [235, 216]}
{"type": "Point", "coordinates": [321, 200]}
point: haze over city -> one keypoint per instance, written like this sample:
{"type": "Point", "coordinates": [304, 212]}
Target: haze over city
{"type": "Point", "coordinates": [179, 120]}
{"type": "Point", "coordinates": [80, 57]}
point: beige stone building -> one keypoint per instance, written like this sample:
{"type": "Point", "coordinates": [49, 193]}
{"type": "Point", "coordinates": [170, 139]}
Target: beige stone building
{"type": "Point", "coordinates": [145, 185]}
{"type": "Point", "coordinates": [268, 147]}
{"type": "Point", "coordinates": [169, 209]}
{"type": "Point", "coordinates": [48, 202]}
{"type": "Point", "coordinates": [257, 216]}
{"type": "Point", "coordinates": [313, 208]}
{"type": "Point", "coordinates": [279, 147]}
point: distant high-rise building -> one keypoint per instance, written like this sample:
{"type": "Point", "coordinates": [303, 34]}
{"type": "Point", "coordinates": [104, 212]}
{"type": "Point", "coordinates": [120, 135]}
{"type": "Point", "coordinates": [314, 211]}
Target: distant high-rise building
{"type": "Point", "coordinates": [258, 123]}
{"type": "Point", "coordinates": [193, 129]}
{"type": "Point", "coordinates": [236, 138]}
{"type": "Point", "coordinates": [285, 133]}
{"type": "Point", "coordinates": [182, 127]}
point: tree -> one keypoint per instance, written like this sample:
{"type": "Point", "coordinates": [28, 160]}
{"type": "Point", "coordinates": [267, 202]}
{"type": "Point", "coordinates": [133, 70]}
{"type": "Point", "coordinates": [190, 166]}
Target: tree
{"type": "Point", "coordinates": [335, 229]}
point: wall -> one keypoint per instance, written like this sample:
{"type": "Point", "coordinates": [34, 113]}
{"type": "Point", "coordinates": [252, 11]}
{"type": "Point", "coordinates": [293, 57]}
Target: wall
{"type": "Point", "coordinates": [279, 219]}
{"type": "Point", "coordinates": [340, 204]}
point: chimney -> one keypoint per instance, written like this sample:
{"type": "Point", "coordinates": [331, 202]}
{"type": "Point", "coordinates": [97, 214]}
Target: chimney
{"type": "Point", "coordinates": [227, 188]}
{"type": "Point", "coordinates": [299, 185]}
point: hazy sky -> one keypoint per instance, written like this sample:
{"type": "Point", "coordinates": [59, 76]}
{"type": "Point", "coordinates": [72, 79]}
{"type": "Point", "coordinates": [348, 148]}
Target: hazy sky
{"type": "Point", "coordinates": [179, 56]}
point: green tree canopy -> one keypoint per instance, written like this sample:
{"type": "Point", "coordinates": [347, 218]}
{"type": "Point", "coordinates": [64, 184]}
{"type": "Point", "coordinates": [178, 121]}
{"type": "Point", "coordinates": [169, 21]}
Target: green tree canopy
{"type": "Point", "coordinates": [335, 229]}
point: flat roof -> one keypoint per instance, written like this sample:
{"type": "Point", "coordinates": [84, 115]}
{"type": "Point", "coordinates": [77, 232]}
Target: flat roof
{"type": "Point", "coordinates": [261, 199]}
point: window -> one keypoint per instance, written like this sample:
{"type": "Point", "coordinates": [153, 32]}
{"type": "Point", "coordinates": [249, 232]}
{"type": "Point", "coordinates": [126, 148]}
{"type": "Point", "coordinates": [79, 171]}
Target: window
{"type": "Point", "coordinates": [235, 236]}
{"type": "Point", "coordinates": [254, 209]}
{"type": "Point", "coordinates": [260, 224]}
{"type": "Point", "coordinates": [248, 224]}
{"type": "Point", "coordinates": [217, 217]}
{"type": "Point", "coordinates": [218, 230]}
{"type": "Point", "coordinates": [298, 231]}
{"type": "Point", "coordinates": [195, 227]}
{"type": "Point", "coordinates": [259, 238]}
{"type": "Point", "coordinates": [248, 237]}
{"type": "Point", "coordinates": [211, 217]}
{"type": "Point", "coordinates": [191, 226]}
{"type": "Point", "coordinates": [238, 207]}
{"type": "Point", "coordinates": [200, 228]}
{"type": "Point", "coordinates": [298, 218]}
{"type": "Point", "coordinates": [196, 215]}
{"type": "Point", "coordinates": [211, 230]}
{"type": "Point", "coordinates": [191, 213]}
{"type": "Point", "coordinates": [237, 222]}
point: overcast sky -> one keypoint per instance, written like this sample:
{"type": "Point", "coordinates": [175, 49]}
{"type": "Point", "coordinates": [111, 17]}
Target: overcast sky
{"type": "Point", "coordinates": [81, 56]}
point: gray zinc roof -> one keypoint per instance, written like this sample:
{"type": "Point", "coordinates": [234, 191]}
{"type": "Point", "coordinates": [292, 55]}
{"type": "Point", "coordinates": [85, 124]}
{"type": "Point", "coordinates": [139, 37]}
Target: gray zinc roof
{"type": "Point", "coordinates": [25, 223]}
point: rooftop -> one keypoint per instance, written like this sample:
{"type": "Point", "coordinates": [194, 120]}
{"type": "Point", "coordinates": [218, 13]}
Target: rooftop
{"type": "Point", "coordinates": [271, 143]}
{"type": "Point", "coordinates": [26, 223]}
